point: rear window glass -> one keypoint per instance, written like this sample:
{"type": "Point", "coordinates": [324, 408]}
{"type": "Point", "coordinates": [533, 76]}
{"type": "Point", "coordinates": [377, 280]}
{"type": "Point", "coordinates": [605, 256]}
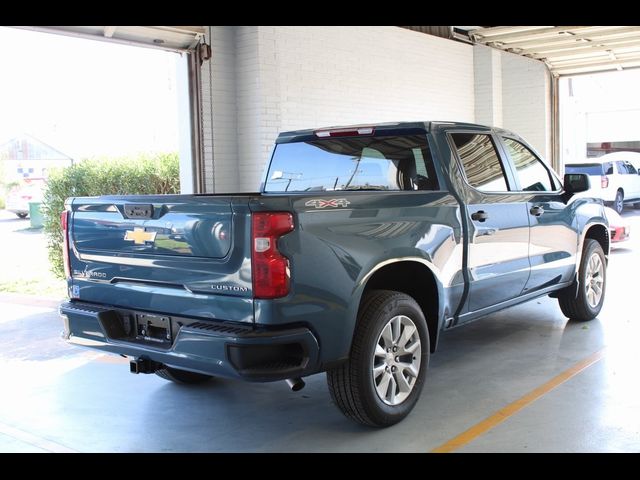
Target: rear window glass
{"type": "Point", "coordinates": [589, 169]}
{"type": "Point", "coordinates": [352, 163]}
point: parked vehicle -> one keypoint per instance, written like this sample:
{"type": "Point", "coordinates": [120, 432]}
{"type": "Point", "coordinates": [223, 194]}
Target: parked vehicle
{"type": "Point", "coordinates": [631, 157]}
{"type": "Point", "coordinates": [619, 228]}
{"type": "Point", "coordinates": [19, 197]}
{"type": "Point", "coordinates": [363, 245]}
{"type": "Point", "coordinates": [614, 178]}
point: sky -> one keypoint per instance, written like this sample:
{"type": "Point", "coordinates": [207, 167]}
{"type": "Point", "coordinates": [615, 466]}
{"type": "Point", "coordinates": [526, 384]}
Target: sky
{"type": "Point", "coordinates": [87, 98]}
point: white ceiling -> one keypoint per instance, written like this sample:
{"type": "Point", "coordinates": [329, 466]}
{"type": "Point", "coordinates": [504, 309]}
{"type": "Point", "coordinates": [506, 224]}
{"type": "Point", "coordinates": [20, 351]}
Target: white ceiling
{"type": "Point", "coordinates": [167, 38]}
{"type": "Point", "coordinates": [568, 50]}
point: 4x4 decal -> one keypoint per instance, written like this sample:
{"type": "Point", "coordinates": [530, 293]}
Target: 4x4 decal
{"type": "Point", "coordinates": [321, 203]}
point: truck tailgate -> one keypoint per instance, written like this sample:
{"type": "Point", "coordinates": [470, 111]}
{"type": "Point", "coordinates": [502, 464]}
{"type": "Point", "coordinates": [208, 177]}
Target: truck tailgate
{"type": "Point", "coordinates": [181, 254]}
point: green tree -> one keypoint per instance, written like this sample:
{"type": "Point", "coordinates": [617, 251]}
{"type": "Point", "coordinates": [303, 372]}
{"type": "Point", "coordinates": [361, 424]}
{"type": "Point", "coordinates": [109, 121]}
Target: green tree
{"type": "Point", "coordinates": [144, 174]}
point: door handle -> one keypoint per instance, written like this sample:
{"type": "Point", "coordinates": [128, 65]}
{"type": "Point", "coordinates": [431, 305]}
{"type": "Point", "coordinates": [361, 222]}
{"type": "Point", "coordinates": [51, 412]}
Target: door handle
{"type": "Point", "coordinates": [536, 211]}
{"type": "Point", "coordinates": [479, 216]}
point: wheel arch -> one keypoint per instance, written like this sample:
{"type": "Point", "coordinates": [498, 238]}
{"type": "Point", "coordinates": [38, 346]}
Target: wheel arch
{"type": "Point", "coordinates": [415, 278]}
{"type": "Point", "coordinates": [600, 234]}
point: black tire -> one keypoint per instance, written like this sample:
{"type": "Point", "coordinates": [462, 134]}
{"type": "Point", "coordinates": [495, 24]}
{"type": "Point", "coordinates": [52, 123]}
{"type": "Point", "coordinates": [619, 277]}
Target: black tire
{"type": "Point", "coordinates": [22, 215]}
{"type": "Point", "coordinates": [352, 384]}
{"type": "Point", "coordinates": [618, 203]}
{"type": "Point", "coordinates": [181, 376]}
{"type": "Point", "coordinates": [636, 205]}
{"type": "Point", "coordinates": [577, 307]}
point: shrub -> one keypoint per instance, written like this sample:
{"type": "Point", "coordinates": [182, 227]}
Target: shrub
{"type": "Point", "coordinates": [145, 174]}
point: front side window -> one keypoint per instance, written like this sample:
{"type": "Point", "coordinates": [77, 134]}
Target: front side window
{"type": "Point", "coordinates": [631, 169]}
{"type": "Point", "coordinates": [480, 161]}
{"type": "Point", "coordinates": [389, 163]}
{"type": "Point", "coordinates": [531, 173]}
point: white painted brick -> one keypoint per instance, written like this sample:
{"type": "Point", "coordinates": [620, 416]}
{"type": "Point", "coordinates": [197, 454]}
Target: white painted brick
{"type": "Point", "coordinates": [271, 79]}
{"type": "Point", "coordinates": [526, 102]}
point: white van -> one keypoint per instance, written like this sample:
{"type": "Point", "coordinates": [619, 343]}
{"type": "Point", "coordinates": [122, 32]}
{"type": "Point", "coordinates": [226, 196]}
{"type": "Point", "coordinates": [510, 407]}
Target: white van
{"type": "Point", "coordinates": [614, 177]}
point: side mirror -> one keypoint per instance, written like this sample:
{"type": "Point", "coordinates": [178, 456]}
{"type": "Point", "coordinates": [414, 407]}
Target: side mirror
{"type": "Point", "coordinates": [576, 182]}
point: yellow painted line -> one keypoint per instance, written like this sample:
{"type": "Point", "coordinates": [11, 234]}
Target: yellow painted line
{"type": "Point", "coordinates": [511, 409]}
{"type": "Point", "coordinates": [34, 440]}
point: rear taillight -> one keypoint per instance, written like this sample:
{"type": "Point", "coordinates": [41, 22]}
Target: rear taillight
{"type": "Point", "coordinates": [64, 223]}
{"type": "Point", "coordinates": [270, 268]}
{"type": "Point", "coordinates": [604, 181]}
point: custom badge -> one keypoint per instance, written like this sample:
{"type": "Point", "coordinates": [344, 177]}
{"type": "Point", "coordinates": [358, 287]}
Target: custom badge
{"type": "Point", "coordinates": [139, 236]}
{"type": "Point", "coordinates": [321, 203]}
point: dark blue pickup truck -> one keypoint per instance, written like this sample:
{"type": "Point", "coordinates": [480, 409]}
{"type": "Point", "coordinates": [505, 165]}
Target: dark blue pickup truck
{"type": "Point", "coordinates": [363, 244]}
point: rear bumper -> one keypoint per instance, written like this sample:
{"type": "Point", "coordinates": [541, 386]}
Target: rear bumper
{"type": "Point", "coordinates": [212, 347]}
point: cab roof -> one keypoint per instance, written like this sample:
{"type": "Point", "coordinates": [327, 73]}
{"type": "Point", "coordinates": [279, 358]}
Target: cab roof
{"type": "Point", "coordinates": [387, 128]}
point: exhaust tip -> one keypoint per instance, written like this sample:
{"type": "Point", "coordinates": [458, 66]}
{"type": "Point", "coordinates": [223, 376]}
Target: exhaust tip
{"type": "Point", "coordinates": [295, 384]}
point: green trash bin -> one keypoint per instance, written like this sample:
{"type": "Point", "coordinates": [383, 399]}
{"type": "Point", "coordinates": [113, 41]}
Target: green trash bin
{"type": "Point", "coordinates": [35, 214]}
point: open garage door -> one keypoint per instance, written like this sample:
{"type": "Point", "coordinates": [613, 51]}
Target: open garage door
{"type": "Point", "coordinates": [567, 51]}
{"type": "Point", "coordinates": [188, 40]}
{"type": "Point", "coordinates": [167, 38]}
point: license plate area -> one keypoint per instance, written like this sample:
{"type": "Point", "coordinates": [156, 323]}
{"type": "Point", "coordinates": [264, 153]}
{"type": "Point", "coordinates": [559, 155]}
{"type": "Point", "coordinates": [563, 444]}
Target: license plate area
{"type": "Point", "coordinates": [153, 328]}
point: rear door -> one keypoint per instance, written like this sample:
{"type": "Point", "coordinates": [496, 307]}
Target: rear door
{"type": "Point", "coordinates": [632, 167]}
{"type": "Point", "coordinates": [553, 238]}
{"type": "Point", "coordinates": [631, 180]}
{"type": "Point", "coordinates": [498, 262]}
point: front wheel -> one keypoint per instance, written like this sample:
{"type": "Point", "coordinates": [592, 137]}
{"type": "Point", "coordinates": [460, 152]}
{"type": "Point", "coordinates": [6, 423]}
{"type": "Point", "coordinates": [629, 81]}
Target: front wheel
{"type": "Point", "coordinates": [592, 280]}
{"type": "Point", "coordinates": [21, 215]}
{"type": "Point", "coordinates": [381, 382]}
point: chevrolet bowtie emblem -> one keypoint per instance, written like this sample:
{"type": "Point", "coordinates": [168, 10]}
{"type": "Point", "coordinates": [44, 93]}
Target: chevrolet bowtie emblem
{"type": "Point", "coordinates": [139, 236]}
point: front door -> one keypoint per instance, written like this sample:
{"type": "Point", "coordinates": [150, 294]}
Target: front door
{"type": "Point", "coordinates": [553, 239]}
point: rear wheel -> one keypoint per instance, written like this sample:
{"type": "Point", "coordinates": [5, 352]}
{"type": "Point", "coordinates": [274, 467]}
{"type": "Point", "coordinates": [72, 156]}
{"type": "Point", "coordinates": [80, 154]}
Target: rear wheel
{"type": "Point", "coordinates": [592, 279]}
{"type": "Point", "coordinates": [21, 215]}
{"type": "Point", "coordinates": [381, 382]}
{"type": "Point", "coordinates": [618, 203]}
{"type": "Point", "coordinates": [181, 376]}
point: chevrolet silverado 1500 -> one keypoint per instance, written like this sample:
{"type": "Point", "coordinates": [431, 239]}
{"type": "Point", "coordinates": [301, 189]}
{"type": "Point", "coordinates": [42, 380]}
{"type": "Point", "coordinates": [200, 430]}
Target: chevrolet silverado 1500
{"type": "Point", "coordinates": [363, 244]}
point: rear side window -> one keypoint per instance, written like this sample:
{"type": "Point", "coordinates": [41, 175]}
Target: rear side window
{"type": "Point", "coordinates": [480, 160]}
{"type": "Point", "coordinates": [625, 168]}
{"type": "Point", "coordinates": [352, 163]}
{"type": "Point", "coordinates": [532, 174]}
{"type": "Point", "coordinates": [587, 168]}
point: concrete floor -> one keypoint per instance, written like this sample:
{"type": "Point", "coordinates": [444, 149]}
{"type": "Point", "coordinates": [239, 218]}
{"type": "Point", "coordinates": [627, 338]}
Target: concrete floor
{"type": "Point", "coordinates": [61, 398]}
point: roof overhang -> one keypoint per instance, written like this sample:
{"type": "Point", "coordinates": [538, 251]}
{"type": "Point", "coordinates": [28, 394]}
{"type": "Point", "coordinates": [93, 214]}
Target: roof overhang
{"type": "Point", "coordinates": [170, 38]}
{"type": "Point", "coordinates": [568, 50]}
